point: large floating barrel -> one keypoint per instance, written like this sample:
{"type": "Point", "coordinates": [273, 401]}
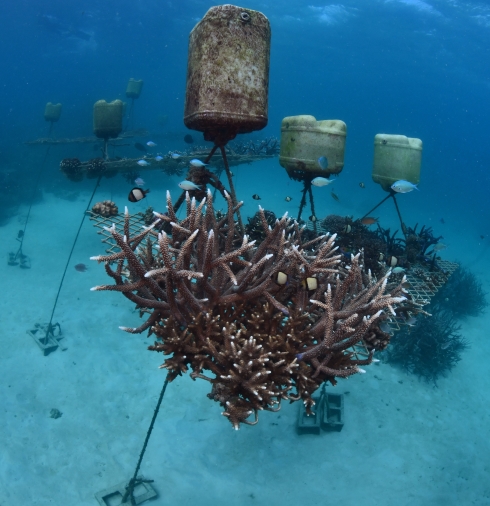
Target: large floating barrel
{"type": "Point", "coordinates": [108, 118]}
{"type": "Point", "coordinates": [133, 90]}
{"type": "Point", "coordinates": [52, 112]}
{"type": "Point", "coordinates": [396, 157]}
{"type": "Point", "coordinates": [304, 140]}
{"type": "Point", "coordinates": [228, 73]}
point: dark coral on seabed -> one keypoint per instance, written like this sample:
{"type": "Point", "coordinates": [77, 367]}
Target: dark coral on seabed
{"type": "Point", "coordinates": [254, 228]}
{"type": "Point", "coordinates": [352, 236]}
{"type": "Point", "coordinates": [462, 295]}
{"type": "Point", "coordinates": [261, 322]}
{"type": "Point", "coordinates": [430, 348]}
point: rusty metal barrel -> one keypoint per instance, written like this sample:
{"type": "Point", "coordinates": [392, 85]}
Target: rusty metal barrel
{"type": "Point", "coordinates": [228, 73]}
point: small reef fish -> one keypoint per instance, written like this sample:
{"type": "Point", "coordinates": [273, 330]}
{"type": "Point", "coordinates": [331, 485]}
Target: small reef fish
{"type": "Point", "coordinates": [197, 163]}
{"type": "Point", "coordinates": [385, 327]}
{"type": "Point", "coordinates": [369, 220]}
{"type": "Point", "coordinates": [188, 139]}
{"type": "Point", "coordinates": [158, 158]}
{"type": "Point", "coordinates": [151, 144]}
{"type": "Point", "coordinates": [140, 147]}
{"type": "Point", "coordinates": [403, 186]}
{"type": "Point", "coordinates": [188, 185]}
{"type": "Point", "coordinates": [139, 181]}
{"type": "Point", "coordinates": [442, 221]}
{"type": "Point", "coordinates": [362, 185]}
{"type": "Point", "coordinates": [335, 196]}
{"type": "Point", "coordinates": [255, 196]}
{"type": "Point", "coordinates": [281, 278]}
{"type": "Point", "coordinates": [398, 270]}
{"type": "Point", "coordinates": [81, 267]}
{"type": "Point", "coordinates": [439, 246]}
{"type": "Point", "coordinates": [411, 321]}
{"type": "Point", "coordinates": [321, 181]}
{"type": "Point", "coordinates": [174, 156]}
{"type": "Point", "coordinates": [288, 199]}
{"type": "Point", "coordinates": [143, 163]}
{"type": "Point", "coordinates": [136, 194]}
{"type": "Point", "coordinates": [323, 162]}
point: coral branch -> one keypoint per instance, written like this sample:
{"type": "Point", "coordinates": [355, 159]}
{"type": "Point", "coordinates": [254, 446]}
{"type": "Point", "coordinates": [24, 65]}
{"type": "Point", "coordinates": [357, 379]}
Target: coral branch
{"type": "Point", "coordinates": [261, 322]}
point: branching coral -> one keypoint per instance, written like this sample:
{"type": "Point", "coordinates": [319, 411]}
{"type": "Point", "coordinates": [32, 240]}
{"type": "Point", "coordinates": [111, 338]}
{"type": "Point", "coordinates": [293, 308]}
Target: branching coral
{"type": "Point", "coordinates": [431, 348]}
{"type": "Point", "coordinates": [262, 323]}
{"type": "Point", "coordinates": [463, 295]}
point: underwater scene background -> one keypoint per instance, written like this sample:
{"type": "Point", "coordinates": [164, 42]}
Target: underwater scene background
{"type": "Point", "coordinates": [413, 429]}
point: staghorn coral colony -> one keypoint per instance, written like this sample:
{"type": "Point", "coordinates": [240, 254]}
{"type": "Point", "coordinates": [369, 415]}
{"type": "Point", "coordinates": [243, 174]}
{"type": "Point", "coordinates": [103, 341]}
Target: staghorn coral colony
{"type": "Point", "coordinates": [262, 322]}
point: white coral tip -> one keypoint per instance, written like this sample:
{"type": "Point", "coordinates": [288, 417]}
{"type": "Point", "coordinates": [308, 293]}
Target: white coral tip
{"type": "Point", "coordinates": [362, 371]}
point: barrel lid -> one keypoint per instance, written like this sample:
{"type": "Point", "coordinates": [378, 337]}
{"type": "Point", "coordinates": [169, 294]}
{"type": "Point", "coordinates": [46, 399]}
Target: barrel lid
{"type": "Point", "coordinates": [400, 141]}
{"type": "Point", "coordinates": [308, 123]}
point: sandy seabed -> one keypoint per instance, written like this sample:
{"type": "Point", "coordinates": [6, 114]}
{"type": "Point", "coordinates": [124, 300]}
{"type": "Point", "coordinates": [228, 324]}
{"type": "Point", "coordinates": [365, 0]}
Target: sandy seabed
{"type": "Point", "coordinates": [404, 442]}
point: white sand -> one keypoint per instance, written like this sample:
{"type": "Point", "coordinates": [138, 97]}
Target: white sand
{"type": "Point", "coordinates": [404, 442]}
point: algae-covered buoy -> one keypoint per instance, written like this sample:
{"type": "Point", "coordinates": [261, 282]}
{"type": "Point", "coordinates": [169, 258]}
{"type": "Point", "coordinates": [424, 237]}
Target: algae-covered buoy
{"type": "Point", "coordinates": [52, 112]}
{"type": "Point", "coordinates": [228, 73]}
{"type": "Point", "coordinates": [311, 148]}
{"type": "Point", "coordinates": [108, 118]}
{"type": "Point", "coordinates": [134, 87]}
{"type": "Point", "coordinates": [396, 157]}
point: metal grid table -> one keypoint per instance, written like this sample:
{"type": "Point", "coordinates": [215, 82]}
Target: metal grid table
{"type": "Point", "coordinates": [423, 284]}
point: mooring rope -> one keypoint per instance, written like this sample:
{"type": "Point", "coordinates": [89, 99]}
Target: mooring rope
{"type": "Point", "coordinates": [134, 481]}
{"type": "Point", "coordinates": [48, 329]}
